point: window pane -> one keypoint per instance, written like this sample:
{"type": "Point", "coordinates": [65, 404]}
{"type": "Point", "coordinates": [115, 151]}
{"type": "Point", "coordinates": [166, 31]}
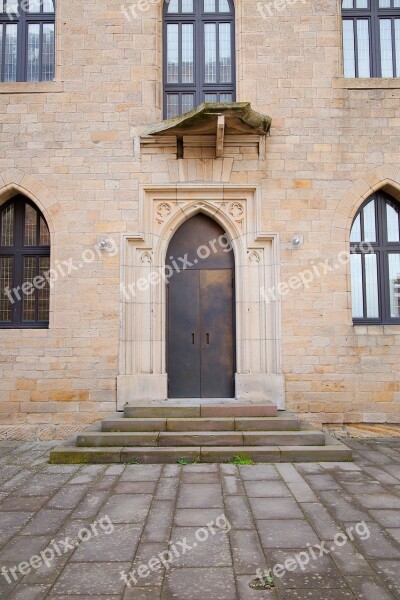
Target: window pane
{"type": "Point", "coordinates": [6, 283]}
{"type": "Point", "coordinates": [355, 235]}
{"type": "Point", "coordinates": [224, 6]}
{"type": "Point", "coordinates": [392, 218]}
{"type": "Point", "coordinates": [347, 4]}
{"type": "Point", "coordinates": [385, 26]}
{"type": "Point", "coordinates": [397, 44]}
{"type": "Point", "coordinates": [11, 6]}
{"type": "Point", "coordinates": [362, 3]}
{"type": "Point", "coordinates": [209, 6]}
{"type": "Point", "coordinates": [211, 98]}
{"type": "Point", "coordinates": [187, 6]}
{"type": "Point", "coordinates": [7, 226]}
{"type": "Point", "coordinates": [10, 54]}
{"type": "Point", "coordinates": [1, 51]}
{"type": "Point", "coordinates": [44, 293]}
{"type": "Point", "coordinates": [172, 105]}
{"type": "Point", "coordinates": [30, 237]}
{"type": "Point", "coordinates": [173, 6]}
{"type": "Point", "coordinates": [48, 6]}
{"type": "Point", "coordinates": [356, 286]}
{"type": "Point", "coordinates": [187, 54]}
{"type": "Point", "coordinates": [44, 233]}
{"type": "Point", "coordinates": [225, 59]}
{"type": "Point", "coordinates": [187, 102]}
{"type": "Point", "coordinates": [369, 222]}
{"type": "Point", "coordinates": [394, 285]}
{"type": "Point", "coordinates": [34, 6]}
{"type": "Point", "coordinates": [210, 49]}
{"type": "Point", "coordinates": [371, 286]}
{"type": "Point", "coordinates": [28, 300]}
{"type": "Point", "coordinates": [348, 49]}
{"type": "Point", "coordinates": [384, 3]}
{"type": "Point", "coordinates": [363, 48]}
{"type": "Point", "coordinates": [172, 54]}
{"type": "Point", "coordinates": [33, 52]}
{"type": "Point", "coordinates": [48, 52]}
{"type": "Point", "coordinates": [225, 98]}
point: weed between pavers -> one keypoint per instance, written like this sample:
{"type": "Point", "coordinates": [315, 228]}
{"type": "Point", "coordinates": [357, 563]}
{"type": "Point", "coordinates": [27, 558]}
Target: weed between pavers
{"type": "Point", "coordinates": [241, 460]}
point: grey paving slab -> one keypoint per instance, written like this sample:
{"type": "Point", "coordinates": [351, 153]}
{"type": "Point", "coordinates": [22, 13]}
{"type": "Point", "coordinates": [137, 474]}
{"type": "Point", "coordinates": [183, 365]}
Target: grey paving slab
{"type": "Point", "coordinates": [274, 511]}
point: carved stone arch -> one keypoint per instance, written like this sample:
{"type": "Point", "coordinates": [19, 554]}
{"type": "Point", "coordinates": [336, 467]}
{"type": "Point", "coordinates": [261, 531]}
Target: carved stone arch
{"type": "Point", "coordinates": [16, 182]}
{"type": "Point", "coordinates": [385, 178]}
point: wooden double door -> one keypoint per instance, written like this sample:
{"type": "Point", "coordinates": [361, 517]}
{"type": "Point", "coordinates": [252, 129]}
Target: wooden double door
{"type": "Point", "coordinates": [200, 312]}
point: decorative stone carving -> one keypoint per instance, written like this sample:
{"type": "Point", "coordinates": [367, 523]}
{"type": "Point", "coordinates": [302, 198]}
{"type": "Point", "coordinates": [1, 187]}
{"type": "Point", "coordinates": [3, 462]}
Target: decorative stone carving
{"type": "Point", "coordinates": [163, 211]}
{"type": "Point", "coordinates": [146, 257]}
{"type": "Point", "coordinates": [254, 256]}
{"type": "Point", "coordinates": [236, 210]}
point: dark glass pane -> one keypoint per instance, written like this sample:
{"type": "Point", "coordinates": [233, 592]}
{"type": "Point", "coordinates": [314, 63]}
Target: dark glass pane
{"type": "Point", "coordinates": [7, 226]}
{"type": "Point", "coordinates": [6, 283]}
{"type": "Point", "coordinates": [48, 6]}
{"type": "Point", "coordinates": [371, 286]}
{"type": "Point", "coordinates": [348, 49]}
{"type": "Point", "coordinates": [355, 235]}
{"type": "Point", "coordinates": [172, 53]}
{"type": "Point", "coordinates": [30, 231]}
{"type": "Point", "coordinates": [44, 293]}
{"type": "Point", "coordinates": [210, 50]}
{"type": "Point", "coordinates": [370, 222]}
{"type": "Point", "coordinates": [357, 286]}
{"type": "Point", "coordinates": [10, 53]}
{"type": "Point", "coordinates": [44, 233]}
{"type": "Point", "coordinates": [385, 27]}
{"type": "Point", "coordinates": [187, 54]}
{"type": "Point", "coordinates": [394, 285]}
{"type": "Point", "coordinates": [187, 102]}
{"type": "Point", "coordinates": [363, 53]}
{"type": "Point", "coordinates": [225, 53]}
{"type": "Point", "coordinates": [29, 300]}
{"type": "Point", "coordinates": [48, 52]}
{"type": "Point", "coordinates": [172, 105]}
{"type": "Point", "coordinates": [33, 73]}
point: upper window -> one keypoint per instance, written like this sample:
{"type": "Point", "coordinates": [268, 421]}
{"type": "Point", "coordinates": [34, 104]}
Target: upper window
{"type": "Point", "coordinates": [199, 52]}
{"type": "Point", "coordinates": [375, 261]}
{"type": "Point", "coordinates": [26, 40]}
{"type": "Point", "coordinates": [24, 265]}
{"type": "Point", "coordinates": [371, 38]}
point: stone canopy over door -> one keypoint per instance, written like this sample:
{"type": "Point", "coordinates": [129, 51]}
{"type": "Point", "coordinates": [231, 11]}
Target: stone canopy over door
{"type": "Point", "coordinates": [200, 311]}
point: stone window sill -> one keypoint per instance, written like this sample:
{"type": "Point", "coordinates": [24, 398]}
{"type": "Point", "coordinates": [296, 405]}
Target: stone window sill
{"type": "Point", "coordinates": [374, 83]}
{"type": "Point", "coordinates": [37, 87]}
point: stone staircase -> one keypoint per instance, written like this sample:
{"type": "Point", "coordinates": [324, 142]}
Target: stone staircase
{"type": "Point", "coordinates": [213, 433]}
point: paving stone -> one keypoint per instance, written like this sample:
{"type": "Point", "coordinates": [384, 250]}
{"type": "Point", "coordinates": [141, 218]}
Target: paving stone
{"type": "Point", "coordinates": [381, 476]}
{"type": "Point", "coordinates": [232, 485]}
{"type": "Point", "coordinates": [205, 495]}
{"type": "Point", "coordinates": [167, 488]}
{"type": "Point", "coordinates": [29, 592]}
{"type": "Point", "coordinates": [127, 508]}
{"type": "Point", "coordinates": [379, 501]}
{"type": "Point", "coordinates": [21, 548]}
{"type": "Point", "coordinates": [14, 520]}
{"type": "Point", "coordinates": [145, 553]}
{"type": "Point", "coordinates": [315, 594]}
{"type": "Point", "coordinates": [119, 545]}
{"type": "Point", "coordinates": [200, 477]}
{"type": "Point", "coordinates": [289, 473]}
{"type": "Point", "coordinates": [378, 545]}
{"type": "Point", "coordinates": [322, 482]}
{"type": "Point", "coordinates": [275, 508]}
{"type": "Point", "coordinates": [213, 584]}
{"type": "Point", "coordinates": [247, 551]}
{"type": "Point", "coordinates": [46, 522]}
{"type": "Point", "coordinates": [368, 589]}
{"type": "Point", "coordinates": [171, 470]}
{"type": "Point", "coordinates": [348, 559]}
{"type": "Point", "coordinates": [135, 487]}
{"type": "Point", "coordinates": [238, 513]}
{"type": "Point", "coordinates": [159, 521]}
{"type": "Point", "coordinates": [141, 473]}
{"type": "Point", "coordinates": [195, 517]}
{"type": "Point", "coordinates": [290, 533]}
{"type": "Point", "coordinates": [386, 517]}
{"type": "Point", "coordinates": [390, 573]}
{"type": "Point", "coordinates": [68, 496]}
{"type": "Point", "coordinates": [28, 503]}
{"type": "Point", "coordinates": [302, 491]}
{"type": "Point", "coordinates": [259, 472]}
{"type": "Point", "coordinates": [267, 489]}
{"type": "Point", "coordinates": [214, 551]}
{"type": "Point", "coordinates": [105, 483]}
{"type": "Point", "coordinates": [321, 521]}
{"type": "Point", "coordinates": [139, 593]}
{"type": "Point", "coordinates": [90, 505]}
{"type": "Point", "coordinates": [395, 533]}
{"type": "Point", "coordinates": [92, 578]}
{"type": "Point", "coordinates": [343, 506]}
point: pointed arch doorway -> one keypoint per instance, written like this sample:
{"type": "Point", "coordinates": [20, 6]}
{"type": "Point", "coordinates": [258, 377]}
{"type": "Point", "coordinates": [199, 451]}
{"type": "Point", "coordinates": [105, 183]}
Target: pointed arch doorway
{"type": "Point", "coordinates": [200, 311]}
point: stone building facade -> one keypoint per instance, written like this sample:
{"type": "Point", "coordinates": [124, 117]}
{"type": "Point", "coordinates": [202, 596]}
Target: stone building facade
{"type": "Point", "coordinates": [78, 148]}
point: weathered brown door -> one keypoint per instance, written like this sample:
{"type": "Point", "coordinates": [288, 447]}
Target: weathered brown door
{"type": "Point", "coordinates": [200, 312]}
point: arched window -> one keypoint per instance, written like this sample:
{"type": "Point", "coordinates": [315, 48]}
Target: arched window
{"type": "Point", "coordinates": [24, 265]}
{"type": "Point", "coordinates": [375, 261]}
{"type": "Point", "coordinates": [26, 40]}
{"type": "Point", "coordinates": [199, 54]}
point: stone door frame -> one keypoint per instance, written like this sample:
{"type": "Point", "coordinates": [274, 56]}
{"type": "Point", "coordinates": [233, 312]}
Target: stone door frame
{"type": "Point", "coordinates": [162, 209]}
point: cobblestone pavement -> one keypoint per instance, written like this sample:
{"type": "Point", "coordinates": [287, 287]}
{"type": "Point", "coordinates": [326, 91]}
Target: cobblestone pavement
{"type": "Point", "coordinates": [275, 512]}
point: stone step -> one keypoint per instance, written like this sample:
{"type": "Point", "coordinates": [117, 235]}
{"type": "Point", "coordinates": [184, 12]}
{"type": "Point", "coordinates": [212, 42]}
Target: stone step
{"type": "Point", "coordinates": [234, 409]}
{"type": "Point", "coordinates": [201, 438]}
{"type": "Point", "coordinates": [336, 452]}
{"type": "Point", "coordinates": [283, 422]}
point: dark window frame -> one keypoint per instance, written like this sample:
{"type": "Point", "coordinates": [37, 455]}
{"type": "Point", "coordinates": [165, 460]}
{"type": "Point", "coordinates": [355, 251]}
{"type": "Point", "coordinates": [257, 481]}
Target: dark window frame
{"type": "Point", "coordinates": [198, 88]}
{"type": "Point", "coordinates": [23, 19]}
{"type": "Point", "coordinates": [373, 14]}
{"type": "Point", "coordinates": [382, 248]}
{"type": "Point", "coordinates": [18, 252]}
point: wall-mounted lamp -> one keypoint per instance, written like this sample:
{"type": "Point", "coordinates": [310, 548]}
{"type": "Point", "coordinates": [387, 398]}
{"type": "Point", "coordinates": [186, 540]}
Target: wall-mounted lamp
{"type": "Point", "coordinates": [297, 241]}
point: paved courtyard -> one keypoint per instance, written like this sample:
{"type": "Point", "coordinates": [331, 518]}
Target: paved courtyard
{"type": "Point", "coordinates": [200, 532]}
